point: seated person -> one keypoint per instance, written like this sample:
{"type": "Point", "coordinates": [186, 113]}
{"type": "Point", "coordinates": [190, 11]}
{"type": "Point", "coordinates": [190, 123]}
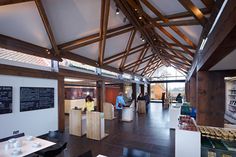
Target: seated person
{"type": "Point", "coordinates": [89, 104]}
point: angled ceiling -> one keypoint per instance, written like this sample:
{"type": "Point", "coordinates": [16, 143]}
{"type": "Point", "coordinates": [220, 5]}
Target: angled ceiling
{"type": "Point", "coordinates": [145, 35]}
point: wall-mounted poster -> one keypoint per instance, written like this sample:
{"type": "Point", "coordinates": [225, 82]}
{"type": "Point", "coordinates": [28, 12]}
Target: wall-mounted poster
{"type": "Point", "coordinates": [5, 99]}
{"type": "Point", "coordinates": [79, 93]}
{"type": "Point", "coordinates": [35, 98]}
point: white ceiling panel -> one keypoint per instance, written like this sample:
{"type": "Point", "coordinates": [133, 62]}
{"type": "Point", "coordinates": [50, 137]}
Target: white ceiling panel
{"type": "Point", "coordinates": [148, 52]}
{"type": "Point", "coordinates": [116, 64]}
{"type": "Point", "coordinates": [89, 51]}
{"type": "Point", "coordinates": [22, 21]}
{"type": "Point", "coordinates": [114, 19]}
{"type": "Point", "coordinates": [143, 65]}
{"type": "Point", "coordinates": [116, 44]}
{"type": "Point", "coordinates": [193, 32]}
{"type": "Point", "coordinates": [176, 36]}
{"type": "Point", "coordinates": [227, 63]}
{"type": "Point", "coordinates": [132, 58]}
{"type": "Point", "coordinates": [73, 19]}
{"type": "Point", "coordinates": [137, 40]}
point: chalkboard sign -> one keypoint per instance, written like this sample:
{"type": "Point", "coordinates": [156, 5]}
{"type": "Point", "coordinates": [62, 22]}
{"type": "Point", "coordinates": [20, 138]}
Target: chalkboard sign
{"type": "Point", "coordinates": [5, 99]}
{"type": "Point", "coordinates": [34, 98]}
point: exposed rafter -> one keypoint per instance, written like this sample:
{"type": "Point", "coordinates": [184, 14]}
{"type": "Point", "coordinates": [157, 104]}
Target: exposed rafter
{"type": "Point", "coordinates": [47, 26]}
{"type": "Point", "coordinates": [141, 57]}
{"type": "Point", "coordinates": [208, 3]}
{"type": "Point", "coordinates": [123, 54]}
{"type": "Point", "coordinates": [128, 47]}
{"type": "Point", "coordinates": [90, 39]}
{"type": "Point", "coordinates": [165, 20]}
{"type": "Point", "coordinates": [194, 10]}
{"type": "Point", "coordinates": [105, 7]}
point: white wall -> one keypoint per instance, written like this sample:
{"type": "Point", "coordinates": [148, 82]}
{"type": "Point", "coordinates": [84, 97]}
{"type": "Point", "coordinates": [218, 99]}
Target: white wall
{"type": "Point", "coordinates": [35, 122]}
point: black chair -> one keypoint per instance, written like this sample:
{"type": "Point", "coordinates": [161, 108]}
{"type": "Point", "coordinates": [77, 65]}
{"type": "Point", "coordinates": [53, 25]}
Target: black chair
{"type": "Point", "coordinates": [54, 136]}
{"type": "Point", "coordinates": [86, 154]}
{"type": "Point", "coordinates": [52, 151]}
{"type": "Point", "coordinates": [13, 136]}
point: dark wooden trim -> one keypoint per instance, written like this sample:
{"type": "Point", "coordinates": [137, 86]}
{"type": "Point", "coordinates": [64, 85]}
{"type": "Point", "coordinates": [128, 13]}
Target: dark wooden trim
{"type": "Point", "coordinates": [208, 3]}
{"type": "Point", "coordinates": [8, 2]}
{"type": "Point", "coordinates": [141, 57]}
{"type": "Point", "coordinates": [180, 23]}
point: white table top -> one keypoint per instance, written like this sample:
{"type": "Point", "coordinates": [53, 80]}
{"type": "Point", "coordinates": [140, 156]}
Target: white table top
{"type": "Point", "coordinates": [26, 148]}
{"type": "Point", "coordinates": [99, 155]}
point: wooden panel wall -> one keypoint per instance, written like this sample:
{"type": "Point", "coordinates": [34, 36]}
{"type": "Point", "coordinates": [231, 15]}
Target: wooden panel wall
{"type": "Point", "coordinates": [211, 97]}
{"type": "Point", "coordinates": [192, 91]}
{"type": "Point", "coordinates": [111, 94]}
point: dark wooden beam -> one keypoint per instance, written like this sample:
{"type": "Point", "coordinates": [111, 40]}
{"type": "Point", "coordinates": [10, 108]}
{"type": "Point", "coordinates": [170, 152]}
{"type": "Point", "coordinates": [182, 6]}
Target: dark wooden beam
{"type": "Point", "coordinates": [8, 2]}
{"type": "Point", "coordinates": [180, 23]}
{"type": "Point", "coordinates": [176, 45]}
{"type": "Point", "coordinates": [123, 54]}
{"type": "Point", "coordinates": [205, 11]}
{"type": "Point", "coordinates": [47, 26]}
{"type": "Point", "coordinates": [128, 47]}
{"type": "Point", "coordinates": [173, 49]}
{"type": "Point", "coordinates": [105, 7]}
{"type": "Point", "coordinates": [217, 35]}
{"type": "Point", "coordinates": [208, 3]}
{"type": "Point", "coordinates": [25, 47]}
{"type": "Point", "coordinates": [141, 57]}
{"type": "Point", "coordinates": [90, 39]}
{"type": "Point", "coordinates": [194, 10]}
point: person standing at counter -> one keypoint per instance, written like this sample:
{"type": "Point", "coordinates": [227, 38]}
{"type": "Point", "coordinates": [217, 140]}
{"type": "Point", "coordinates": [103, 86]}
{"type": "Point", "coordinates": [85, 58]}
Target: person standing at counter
{"type": "Point", "coordinates": [119, 105]}
{"type": "Point", "coordinates": [140, 97]}
{"type": "Point", "coordinates": [89, 104]}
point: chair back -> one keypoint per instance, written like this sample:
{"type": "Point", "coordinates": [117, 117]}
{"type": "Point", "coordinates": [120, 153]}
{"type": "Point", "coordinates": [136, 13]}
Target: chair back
{"type": "Point", "coordinates": [13, 136]}
{"type": "Point", "coordinates": [55, 152]}
{"type": "Point", "coordinates": [86, 154]}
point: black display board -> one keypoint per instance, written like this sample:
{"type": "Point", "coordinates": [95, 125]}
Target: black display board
{"type": "Point", "coordinates": [5, 99]}
{"type": "Point", "coordinates": [35, 98]}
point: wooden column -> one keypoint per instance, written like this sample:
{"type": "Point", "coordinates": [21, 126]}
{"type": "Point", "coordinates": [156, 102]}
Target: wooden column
{"type": "Point", "coordinates": [149, 89]}
{"type": "Point", "coordinates": [210, 98]}
{"type": "Point", "coordinates": [122, 87]}
{"type": "Point", "coordinates": [100, 95]}
{"type": "Point", "coordinates": [187, 91]}
{"type": "Point", "coordinates": [192, 91]}
{"type": "Point", "coordinates": [61, 106]}
{"type": "Point", "coordinates": [142, 88]}
{"type": "Point", "coordinates": [134, 92]}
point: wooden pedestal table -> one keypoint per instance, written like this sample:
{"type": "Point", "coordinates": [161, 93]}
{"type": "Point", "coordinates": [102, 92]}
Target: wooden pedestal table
{"type": "Point", "coordinates": [108, 111]}
{"type": "Point", "coordinates": [77, 123]}
{"type": "Point", "coordinates": [142, 106]}
{"type": "Point", "coordinates": [95, 125]}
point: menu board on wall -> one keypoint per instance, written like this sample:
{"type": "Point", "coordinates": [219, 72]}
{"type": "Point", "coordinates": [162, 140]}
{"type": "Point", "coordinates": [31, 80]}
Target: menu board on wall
{"type": "Point", "coordinates": [35, 98]}
{"type": "Point", "coordinates": [79, 93]}
{"type": "Point", "coordinates": [5, 99]}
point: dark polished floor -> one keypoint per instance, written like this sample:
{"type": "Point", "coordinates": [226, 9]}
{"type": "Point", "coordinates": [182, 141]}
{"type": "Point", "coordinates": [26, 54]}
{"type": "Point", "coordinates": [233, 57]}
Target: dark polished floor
{"type": "Point", "coordinates": [148, 133]}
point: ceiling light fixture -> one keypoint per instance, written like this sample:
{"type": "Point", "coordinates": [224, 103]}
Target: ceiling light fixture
{"type": "Point", "coordinates": [117, 11]}
{"type": "Point", "coordinates": [140, 17]}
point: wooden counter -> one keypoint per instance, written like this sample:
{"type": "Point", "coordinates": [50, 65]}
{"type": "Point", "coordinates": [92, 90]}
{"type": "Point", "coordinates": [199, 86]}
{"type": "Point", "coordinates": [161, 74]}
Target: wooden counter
{"type": "Point", "coordinates": [108, 109]}
{"type": "Point", "coordinates": [95, 125]}
{"type": "Point", "coordinates": [77, 123]}
{"type": "Point", "coordinates": [142, 106]}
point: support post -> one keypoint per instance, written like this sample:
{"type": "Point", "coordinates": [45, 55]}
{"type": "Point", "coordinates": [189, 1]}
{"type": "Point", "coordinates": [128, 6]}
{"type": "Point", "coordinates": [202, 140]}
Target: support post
{"type": "Point", "coordinates": [61, 106]}
{"type": "Point", "coordinates": [100, 95]}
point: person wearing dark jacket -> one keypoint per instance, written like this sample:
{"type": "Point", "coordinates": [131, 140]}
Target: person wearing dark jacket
{"type": "Point", "coordinates": [179, 98]}
{"type": "Point", "coordinates": [140, 97]}
{"type": "Point", "coordinates": [147, 99]}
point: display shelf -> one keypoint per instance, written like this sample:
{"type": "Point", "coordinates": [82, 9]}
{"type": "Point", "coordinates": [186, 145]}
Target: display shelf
{"type": "Point", "coordinates": [184, 149]}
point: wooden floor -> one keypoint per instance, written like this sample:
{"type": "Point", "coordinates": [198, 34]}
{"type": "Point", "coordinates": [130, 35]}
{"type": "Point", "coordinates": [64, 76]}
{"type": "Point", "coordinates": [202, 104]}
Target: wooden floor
{"type": "Point", "coordinates": [148, 133]}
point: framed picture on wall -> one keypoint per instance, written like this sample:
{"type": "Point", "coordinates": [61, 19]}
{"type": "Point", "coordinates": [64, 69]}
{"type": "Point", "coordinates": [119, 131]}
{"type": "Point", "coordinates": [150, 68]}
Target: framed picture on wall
{"type": "Point", "coordinates": [5, 99]}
